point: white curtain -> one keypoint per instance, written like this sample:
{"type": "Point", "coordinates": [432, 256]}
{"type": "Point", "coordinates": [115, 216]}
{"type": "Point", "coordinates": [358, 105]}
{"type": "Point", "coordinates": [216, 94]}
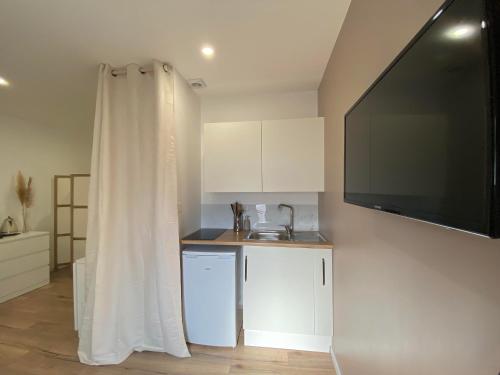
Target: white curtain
{"type": "Point", "coordinates": [133, 266]}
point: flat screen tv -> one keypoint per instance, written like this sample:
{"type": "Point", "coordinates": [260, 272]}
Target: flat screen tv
{"type": "Point", "coordinates": [422, 141]}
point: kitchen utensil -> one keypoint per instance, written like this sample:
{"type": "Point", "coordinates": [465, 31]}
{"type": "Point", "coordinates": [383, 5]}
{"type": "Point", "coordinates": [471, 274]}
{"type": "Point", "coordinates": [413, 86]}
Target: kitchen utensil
{"type": "Point", "coordinates": [237, 212]}
{"type": "Point", "coordinates": [9, 226]}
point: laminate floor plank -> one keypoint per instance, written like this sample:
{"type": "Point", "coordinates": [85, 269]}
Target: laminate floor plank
{"type": "Point", "coordinates": [37, 338]}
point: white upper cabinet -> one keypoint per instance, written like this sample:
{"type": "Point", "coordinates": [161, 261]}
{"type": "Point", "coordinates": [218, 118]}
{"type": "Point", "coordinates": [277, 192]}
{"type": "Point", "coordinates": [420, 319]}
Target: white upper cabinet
{"type": "Point", "coordinates": [232, 157]}
{"type": "Point", "coordinates": [264, 156]}
{"type": "Point", "coordinates": [293, 155]}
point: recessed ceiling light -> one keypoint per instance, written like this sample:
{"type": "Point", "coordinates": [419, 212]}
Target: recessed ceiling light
{"type": "Point", "coordinates": [461, 32]}
{"type": "Point", "coordinates": [207, 51]}
{"type": "Point", "coordinates": [4, 82]}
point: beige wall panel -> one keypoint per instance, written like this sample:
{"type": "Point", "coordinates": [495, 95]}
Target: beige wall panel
{"type": "Point", "coordinates": [409, 297]}
{"type": "Point", "coordinates": [80, 222]}
{"type": "Point", "coordinates": [63, 191]}
{"type": "Point", "coordinates": [63, 220]}
{"type": "Point", "coordinates": [80, 190]}
{"type": "Point", "coordinates": [63, 250]}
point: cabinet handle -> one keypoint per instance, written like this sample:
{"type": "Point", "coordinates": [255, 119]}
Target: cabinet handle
{"type": "Point", "coordinates": [323, 260]}
{"type": "Point", "coordinates": [246, 266]}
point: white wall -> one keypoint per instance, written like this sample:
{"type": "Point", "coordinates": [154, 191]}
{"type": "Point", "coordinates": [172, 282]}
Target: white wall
{"type": "Point", "coordinates": [44, 150]}
{"type": "Point", "coordinates": [187, 112]}
{"type": "Point", "coordinates": [40, 151]}
{"type": "Point", "coordinates": [268, 106]}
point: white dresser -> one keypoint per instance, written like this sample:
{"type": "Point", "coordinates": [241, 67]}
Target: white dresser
{"type": "Point", "coordinates": [24, 263]}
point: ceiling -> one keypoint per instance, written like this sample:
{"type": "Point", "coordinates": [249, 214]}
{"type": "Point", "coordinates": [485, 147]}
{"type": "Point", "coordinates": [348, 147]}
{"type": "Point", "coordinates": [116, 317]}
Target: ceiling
{"type": "Point", "coordinates": [49, 50]}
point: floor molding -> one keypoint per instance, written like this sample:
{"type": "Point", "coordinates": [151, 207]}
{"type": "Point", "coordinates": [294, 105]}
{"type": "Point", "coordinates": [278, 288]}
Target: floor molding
{"type": "Point", "coordinates": [335, 362]}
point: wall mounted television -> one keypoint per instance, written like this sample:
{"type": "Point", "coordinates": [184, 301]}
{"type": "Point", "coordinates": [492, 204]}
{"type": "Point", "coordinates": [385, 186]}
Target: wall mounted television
{"type": "Point", "coordinates": [422, 141]}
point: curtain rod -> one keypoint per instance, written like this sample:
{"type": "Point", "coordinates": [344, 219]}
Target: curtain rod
{"type": "Point", "coordinates": [143, 70]}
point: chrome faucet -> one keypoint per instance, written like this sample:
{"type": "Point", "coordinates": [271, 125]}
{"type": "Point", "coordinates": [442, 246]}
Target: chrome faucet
{"type": "Point", "coordinates": [288, 227]}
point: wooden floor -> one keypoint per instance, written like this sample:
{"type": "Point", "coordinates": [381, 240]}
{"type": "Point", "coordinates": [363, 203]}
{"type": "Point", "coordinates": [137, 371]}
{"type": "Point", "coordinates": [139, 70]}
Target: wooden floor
{"type": "Point", "coordinates": [37, 337]}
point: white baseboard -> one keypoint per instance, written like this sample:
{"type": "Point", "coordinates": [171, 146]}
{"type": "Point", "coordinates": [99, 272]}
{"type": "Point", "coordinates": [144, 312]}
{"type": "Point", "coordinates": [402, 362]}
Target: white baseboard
{"type": "Point", "coordinates": [292, 341]}
{"type": "Point", "coordinates": [335, 362]}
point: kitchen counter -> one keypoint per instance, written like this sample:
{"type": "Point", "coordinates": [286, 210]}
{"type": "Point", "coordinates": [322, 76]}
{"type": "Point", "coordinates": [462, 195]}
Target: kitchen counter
{"type": "Point", "coordinates": [231, 238]}
{"type": "Point", "coordinates": [287, 288]}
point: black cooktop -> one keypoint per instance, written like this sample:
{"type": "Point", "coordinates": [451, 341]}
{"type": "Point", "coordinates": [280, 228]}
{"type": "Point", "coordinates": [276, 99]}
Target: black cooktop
{"type": "Point", "coordinates": [205, 234]}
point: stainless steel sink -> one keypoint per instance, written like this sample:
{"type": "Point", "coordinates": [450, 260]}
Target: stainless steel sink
{"type": "Point", "coordinates": [311, 236]}
{"type": "Point", "coordinates": [269, 235]}
{"type": "Point", "coordinates": [276, 235]}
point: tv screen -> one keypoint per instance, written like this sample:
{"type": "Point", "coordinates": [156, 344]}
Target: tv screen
{"type": "Point", "coordinates": [421, 142]}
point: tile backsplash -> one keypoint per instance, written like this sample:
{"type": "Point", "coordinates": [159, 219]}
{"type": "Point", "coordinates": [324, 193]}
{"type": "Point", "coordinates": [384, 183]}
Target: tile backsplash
{"type": "Point", "coordinates": [221, 216]}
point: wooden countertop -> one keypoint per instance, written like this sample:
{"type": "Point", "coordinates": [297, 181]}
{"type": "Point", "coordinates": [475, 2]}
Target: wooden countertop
{"type": "Point", "coordinates": [231, 238]}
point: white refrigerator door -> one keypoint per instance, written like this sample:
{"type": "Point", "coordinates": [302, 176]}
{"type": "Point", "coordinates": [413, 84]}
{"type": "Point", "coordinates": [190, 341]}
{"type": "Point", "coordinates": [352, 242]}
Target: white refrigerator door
{"type": "Point", "coordinates": [210, 298]}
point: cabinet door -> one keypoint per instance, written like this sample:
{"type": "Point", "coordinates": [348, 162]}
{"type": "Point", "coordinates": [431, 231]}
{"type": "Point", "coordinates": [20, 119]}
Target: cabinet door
{"type": "Point", "coordinates": [278, 293]}
{"type": "Point", "coordinates": [323, 293]}
{"type": "Point", "coordinates": [293, 155]}
{"type": "Point", "coordinates": [232, 157]}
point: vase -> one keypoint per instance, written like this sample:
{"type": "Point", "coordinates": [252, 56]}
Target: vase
{"type": "Point", "coordinates": [26, 226]}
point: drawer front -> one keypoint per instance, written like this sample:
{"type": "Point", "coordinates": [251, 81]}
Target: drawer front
{"type": "Point", "coordinates": [23, 264]}
{"type": "Point", "coordinates": [23, 283]}
{"type": "Point", "coordinates": [15, 249]}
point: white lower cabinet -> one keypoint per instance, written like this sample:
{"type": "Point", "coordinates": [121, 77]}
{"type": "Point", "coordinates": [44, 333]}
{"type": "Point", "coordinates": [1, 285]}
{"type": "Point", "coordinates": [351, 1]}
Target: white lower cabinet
{"type": "Point", "coordinates": [323, 293]}
{"type": "Point", "coordinates": [279, 290]}
{"type": "Point", "coordinates": [287, 298]}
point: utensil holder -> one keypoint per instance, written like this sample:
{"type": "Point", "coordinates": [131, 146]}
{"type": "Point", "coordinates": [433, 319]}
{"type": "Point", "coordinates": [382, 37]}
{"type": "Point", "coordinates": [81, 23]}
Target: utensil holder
{"type": "Point", "coordinates": [237, 224]}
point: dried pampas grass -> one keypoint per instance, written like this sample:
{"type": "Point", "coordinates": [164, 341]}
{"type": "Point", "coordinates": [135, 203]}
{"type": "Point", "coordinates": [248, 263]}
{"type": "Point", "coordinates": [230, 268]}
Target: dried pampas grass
{"type": "Point", "coordinates": [25, 194]}
{"type": "Point", "coordinates": [24, 190]}
{"type": "Point", "coordinates": [29, 194]}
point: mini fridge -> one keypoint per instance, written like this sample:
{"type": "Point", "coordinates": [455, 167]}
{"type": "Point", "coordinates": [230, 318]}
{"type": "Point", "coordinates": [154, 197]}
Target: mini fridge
{"type": "Point", "coordinates": [212, 299]}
